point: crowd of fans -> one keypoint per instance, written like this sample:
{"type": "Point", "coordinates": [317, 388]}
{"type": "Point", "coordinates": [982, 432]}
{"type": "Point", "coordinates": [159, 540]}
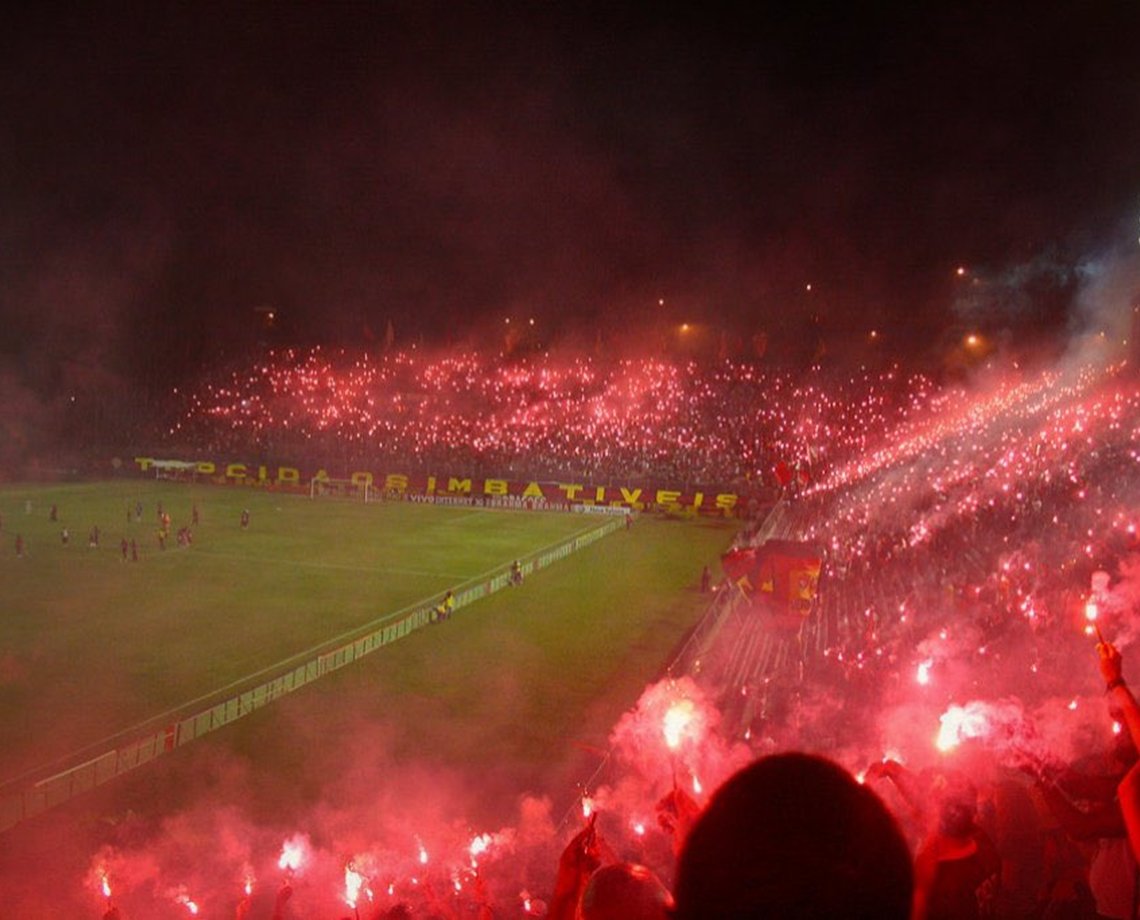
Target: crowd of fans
{"type": "Point", "coordinates": [981, 555]}
{"type": "Point", "coordinates": [543, 416]}
{"type": "Point", "coordinates": [972, 564]}
{"type": "Point", "coordinates": [937, 742]}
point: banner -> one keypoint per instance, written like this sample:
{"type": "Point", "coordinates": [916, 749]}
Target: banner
{"type": "Point", "coordinates": [469, 489]}
{"type": "Point", "coordinates": [782, 574]}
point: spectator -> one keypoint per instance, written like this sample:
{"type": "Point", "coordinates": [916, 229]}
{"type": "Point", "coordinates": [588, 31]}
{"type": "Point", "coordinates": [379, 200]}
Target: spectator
{"type": "Point", "coordinates": [624, 891]}
{"type": "Point", "coordinates": [445, 607]}
{"type": "Point", "coordinates": [794, 835]}
{"type": "Point", "coordinates": [957, 866]}
{"type": "Point", "coordinates": [579, 860]}
{"type": "Point", "coordinates": [1119, 694]}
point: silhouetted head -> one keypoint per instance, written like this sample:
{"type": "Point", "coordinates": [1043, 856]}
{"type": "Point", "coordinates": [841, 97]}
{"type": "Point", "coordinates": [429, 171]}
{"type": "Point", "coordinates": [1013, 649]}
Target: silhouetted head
{"type": "Point", "coordinates": [624, 891]}
{"type": "Point", "coordinates": [794, 836]}
{"type": "Point", "coordinates": [958, 805]}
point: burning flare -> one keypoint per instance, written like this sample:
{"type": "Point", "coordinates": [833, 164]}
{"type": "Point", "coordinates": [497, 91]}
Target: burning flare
{"type": "Point", "coordinates": [960, 724]}
{"type": "Point", "coordinates": [354, 884]}
{"type": "Point", "coordinates": [294, 854]}
{"type": "Point", "coordinates": [678, 718]}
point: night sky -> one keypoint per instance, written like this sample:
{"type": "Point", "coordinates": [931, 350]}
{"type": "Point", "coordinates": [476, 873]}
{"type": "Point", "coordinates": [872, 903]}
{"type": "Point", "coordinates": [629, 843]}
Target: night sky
{"type": "Point", "coordinates": [169, 171]}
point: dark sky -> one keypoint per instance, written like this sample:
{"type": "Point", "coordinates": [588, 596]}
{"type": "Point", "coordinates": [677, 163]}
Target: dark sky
{"type": "Point", "coordinates": [168, 169]}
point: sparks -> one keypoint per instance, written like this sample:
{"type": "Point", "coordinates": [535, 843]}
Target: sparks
{"type": "Point", "coordinates": [922, 675]}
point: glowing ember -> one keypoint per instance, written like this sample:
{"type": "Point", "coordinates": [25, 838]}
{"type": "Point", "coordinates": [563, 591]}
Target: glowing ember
{"type": "Point", "coordinates": [189, 904]}
{"type": "Point", "coordinates": [922, 675]}
{"type": "Point", "coordinates": [587, 806]}
{"type": "Point", "coordinates": [106, 886]}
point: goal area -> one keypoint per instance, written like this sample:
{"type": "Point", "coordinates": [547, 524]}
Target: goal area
{"type": "Point", "coordinates": [341, 488]}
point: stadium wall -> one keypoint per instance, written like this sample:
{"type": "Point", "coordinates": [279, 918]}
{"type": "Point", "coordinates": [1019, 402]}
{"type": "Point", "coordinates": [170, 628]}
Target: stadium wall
{"type": "Point", "coordinates": [136, 747]}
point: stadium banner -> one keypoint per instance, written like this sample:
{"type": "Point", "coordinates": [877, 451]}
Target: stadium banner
{"type": "Point", "coordinates": [782, 575]}
{"type": "Point", "coordinates": [466, 489]}
{"type": "Point", "coordinates": [600, 509]}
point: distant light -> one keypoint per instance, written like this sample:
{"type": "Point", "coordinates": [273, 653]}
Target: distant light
{"type": "Point", "coordinates": [532, 320]}
{"type": "Point", "coordinates": [507, 320]}
{"type": "Point", "coordinates": [684, 327]}
{"type": "Point", "coordinates": [961, 271]}
{"type": "Point", "coordinates": [661, 302]}
{"type": "Point", "coordinates": [973, 340]}
{"type": "Point", "coordinates": [807, 287]}
{"type": "Point", "coordinates": [874, 333]}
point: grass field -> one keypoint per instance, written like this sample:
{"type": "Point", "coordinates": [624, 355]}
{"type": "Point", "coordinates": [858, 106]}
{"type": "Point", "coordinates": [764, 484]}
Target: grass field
{"type": "Point", "coordinates": [92, 644]}
{"type": "Point", "coordinates": [515, 696]}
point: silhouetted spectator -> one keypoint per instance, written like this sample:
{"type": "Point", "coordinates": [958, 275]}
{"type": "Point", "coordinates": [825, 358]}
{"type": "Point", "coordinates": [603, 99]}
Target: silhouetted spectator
{"type": "Point", "coordinates": [624, 891]}
{"type": "Point", "coordinates": [580, 858]}
{"type": "Point", "coordinates": [957, 866]}
{"type": "Point", "coordinates": [794, 835]}
{"type": "Point", "coordinates": [1120, 696]}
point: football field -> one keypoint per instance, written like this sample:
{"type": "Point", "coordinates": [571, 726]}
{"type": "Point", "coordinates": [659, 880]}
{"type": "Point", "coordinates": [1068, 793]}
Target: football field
{"type": "Point", "coordinates": [94, 641]}
{"type": "Point", "coordinates": [512, 701]}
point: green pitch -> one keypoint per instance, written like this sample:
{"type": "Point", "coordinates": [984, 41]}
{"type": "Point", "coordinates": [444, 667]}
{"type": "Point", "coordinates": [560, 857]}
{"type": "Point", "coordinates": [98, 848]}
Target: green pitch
{"type": "Point", "coordinates": [92, 644]}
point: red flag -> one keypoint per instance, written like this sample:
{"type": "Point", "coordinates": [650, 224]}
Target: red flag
{"type": "Point", "coordinates": [783, 473]}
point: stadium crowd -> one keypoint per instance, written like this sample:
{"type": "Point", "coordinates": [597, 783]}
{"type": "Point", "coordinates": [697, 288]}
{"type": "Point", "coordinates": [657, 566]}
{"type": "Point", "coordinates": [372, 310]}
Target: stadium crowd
{"type": "Point", "coordinates": [958, 686]}
{"type": "Point", "coordinates": [544, 416]}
